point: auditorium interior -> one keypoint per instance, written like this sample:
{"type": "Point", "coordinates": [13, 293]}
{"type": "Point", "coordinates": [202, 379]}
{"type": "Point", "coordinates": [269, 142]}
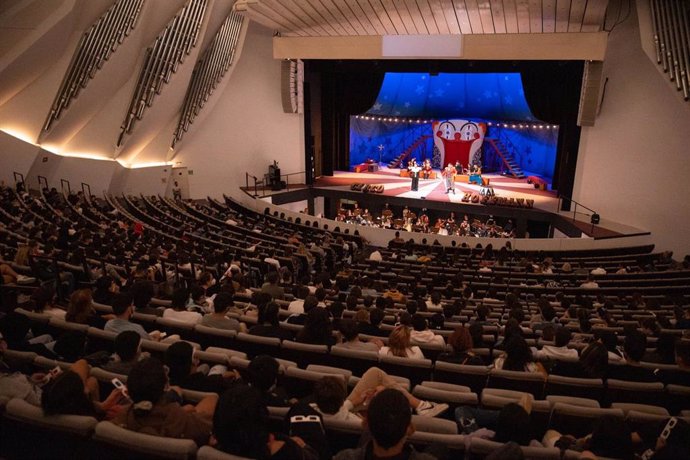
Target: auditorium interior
{"type": "Point", "coordinates": [277, 212]}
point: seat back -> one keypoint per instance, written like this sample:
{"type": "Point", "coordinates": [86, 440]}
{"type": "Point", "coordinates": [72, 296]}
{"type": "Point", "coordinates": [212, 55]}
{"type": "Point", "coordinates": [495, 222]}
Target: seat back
{"type": "Point", "coordinates": [480, 448]}
{"type": "Point", "coordinates": [474, 377]}
{"type": "Point", "coordinates": [579, 388]}
{"type": "Point", "coordinates": [417, 370]}
{"type": "Point", "coordinates": [576, 420]}
{"type": "Point", "coordinates": [356, 360]}
{"type": "Point", "coordinates": [304, 354]}
{"type": "Point", "coordinates": [214, 337]}
{"type": "Point", "coordinates": [112, 441]}
{"type": "Point", "coordinates": [254, 345]}
{"type": "Point", "coordinates": [624, 391]}
{"type": "Point", "coordinates": [209, 453]}
{"type": "Point", "coordinates": [529, 382]}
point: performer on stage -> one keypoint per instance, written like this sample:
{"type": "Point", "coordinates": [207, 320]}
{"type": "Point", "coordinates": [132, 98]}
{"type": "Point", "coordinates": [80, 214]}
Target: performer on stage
{"type": "Point", "coordinates": [449, 178]}
{"type": "Point", "coordinates": [476, 174]}
{"type": "Point", "coordinates": [414, 170]}
{"type": "Point", "coordinates": [426, 169]}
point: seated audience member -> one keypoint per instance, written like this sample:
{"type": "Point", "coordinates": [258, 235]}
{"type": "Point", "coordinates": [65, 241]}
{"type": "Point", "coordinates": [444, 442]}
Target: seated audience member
{"type": "Point", "coordinates": [395, 295]}
{"type": "Point", "coordinates": [349, 332]}
{"type": "Point", "coordinates": [434, 303]}
{"type": "Point", "coordinates": [296, 307]}
{"type": "Point", "coordinates": [156, 410]}
{"type": "Point", "coordinates": [333, 403]}
{"type": "Point", "coordinates": [127, 353]}
{"type": "Point", "coordinates": [482, 313]}
{"type": "Point", "coordinates": [272, 288]}
{"type": "Point", "coordinates": [123, 309]}
{"type": "Point", "coordinates": [241, 427]}
{"type": "Point", "coordinates": [389, 421]}
{"type": "Point", "coordinates": [80, 310]}
{"type": "Point", "coordinates": [9, 276]}
{"type": "Point", "coordinates": [634, 348]}
{"type": "Point", "coordinates": [681, 376]}
{"type": "Point", "coordinates": [142, 293]}
{"type": "Point", "coordinates": [262, 374]}
{"type": "Point", "coordinates": [218, 319]}
{"type": "Point", "coordinates": [559, 350]}
{"type": "Point", "coordinates": [461, 342]}
{"type": "Point", "coordinates": [44, 300]}
{"type": "Point", "coordinates": [317, 328]}
{"type": "Point", "coordinates": [399, 345]}
{"type": "Point", "coordinates": [665, 351]}
{"type": "Point", "coordinates": [200, 303]}
{"type": "Point", "coordinates": [610, 438]}
{"type": "Point", "coordinates": [593, 364]}
{"type": "Point", "coordinates": [421, 334]}
{"type": "Point", "coordinates": [185, 372]}
{"type": "Point", "coordinates": [518, 357]}
{"type": "Point", "coordinates": [268, 325]}
{"type": "Point", "coordinates": [310, 302]}
{"type": "Point", "coordinates": [74, 392]}
{"type": "Point", "coordinates": [105, 291]}
{"type": "Point", "coordinates": [610, 341]}
{"type": "Point", "coordinates": [376, 316]}
{"type": "Point", "coordinates": [178, 308]}
{"type": "Point", "coordinates": [590, 284]}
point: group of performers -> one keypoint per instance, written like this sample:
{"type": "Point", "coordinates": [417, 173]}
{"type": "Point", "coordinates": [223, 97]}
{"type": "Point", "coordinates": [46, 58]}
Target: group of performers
{"type": "Point", "coordinates": [448, 173]}
{"type": "Point", "coordinates": [412, 222]}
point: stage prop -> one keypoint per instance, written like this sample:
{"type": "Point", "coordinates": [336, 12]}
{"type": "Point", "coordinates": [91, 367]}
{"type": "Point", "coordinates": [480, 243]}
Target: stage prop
{"type": "Point", "coordinates": [457, 141]}
{"type": "Point", "coordinates": [406, 173]}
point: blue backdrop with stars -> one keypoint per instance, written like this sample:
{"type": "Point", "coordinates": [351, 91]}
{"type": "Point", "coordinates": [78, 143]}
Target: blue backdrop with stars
{"type": "Point", "coordinates": [491, 96]}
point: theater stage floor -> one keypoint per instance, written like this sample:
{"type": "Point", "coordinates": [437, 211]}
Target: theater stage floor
{"type": "Point", "coordinates": [434, 189]}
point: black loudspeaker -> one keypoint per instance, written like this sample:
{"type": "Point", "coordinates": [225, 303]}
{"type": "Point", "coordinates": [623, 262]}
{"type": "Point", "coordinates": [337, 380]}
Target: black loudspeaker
{"type": "Point", "coordinates": [595, 219]}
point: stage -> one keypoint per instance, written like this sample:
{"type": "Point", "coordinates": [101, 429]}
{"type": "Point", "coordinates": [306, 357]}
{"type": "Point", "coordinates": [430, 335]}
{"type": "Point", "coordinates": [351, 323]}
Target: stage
{"type": "Point", "coordinates": [434, 189]}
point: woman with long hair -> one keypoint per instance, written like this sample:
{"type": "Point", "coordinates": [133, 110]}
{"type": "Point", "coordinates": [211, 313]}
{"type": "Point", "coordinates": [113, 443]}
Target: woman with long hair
{"type": "Point", "coordinates": [317, 328]}
{"type": "Point", "coordinates": [399, 345]}
{"type": "Point", "coordinates": [518, 357]}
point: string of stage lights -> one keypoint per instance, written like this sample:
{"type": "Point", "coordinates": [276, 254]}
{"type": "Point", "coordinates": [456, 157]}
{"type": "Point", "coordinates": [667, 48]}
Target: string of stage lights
{"type": "Point", "coordinates": [424, 121]}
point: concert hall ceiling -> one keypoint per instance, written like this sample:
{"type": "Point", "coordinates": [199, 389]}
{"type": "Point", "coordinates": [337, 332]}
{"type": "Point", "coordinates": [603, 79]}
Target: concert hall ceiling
{"type": "Point", "coordinates": [489, 96]}
{"type": "Point", "coordinates": [316, 18]}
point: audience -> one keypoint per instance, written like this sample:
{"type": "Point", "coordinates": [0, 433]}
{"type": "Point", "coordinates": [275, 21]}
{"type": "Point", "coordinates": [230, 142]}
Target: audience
{"type": "Point", "coordinates": [399, 344]}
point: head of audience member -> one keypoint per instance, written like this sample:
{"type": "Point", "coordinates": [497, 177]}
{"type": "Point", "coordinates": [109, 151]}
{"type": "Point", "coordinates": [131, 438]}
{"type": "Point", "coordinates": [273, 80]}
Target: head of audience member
{"type": "Point", "coordinates": [419, 323]}
{"type": "Point", "coordinates": [127, 346]}
{"type": "Point", "coordinates": [43, 298]}
{"type": "Point", "coordinates": [562, 337]}
{"type": "Point", "coordinates": [65, 394]}
{"type": "Point", "coordinates": [399, 341]}
{"type": "Point", "coordinates": [389, 420]}
{"type": "Point", "coordinates": [240, 423]}
{"type": "Point", "coordinates": [512, 328]}
{"type": "Point", "coordinates": [310, 303]}
{"type": "Point", "coordinates": [268, 314]}
{"type": "Point", "coordinates": [206, 279]}
{"type": "Point", "coordinates": [450, 310]}
{"type": "Point", "coordinates": [80, 307]}
{"type": "Point", "coordinates": [272, 278]}
{"type": "Point", "coordinates": [611, 437]}
{"type": "Point", "coordinates": [317, 328]}
{"type": "Point", "coordinates": [362, 315]}
{"type": "Point", "coordinates": [336, 309]}
{"type": "Point", "coordinates": [634, 346]}
{"type": "Point", "coordinates": [123, 306]}
{"type": "Point", "coordinates": [349, 330]}
{"type": "Point", "coordinates": [482, 312]}
{"type": "Point", "coordinates": [436, 321]}
{"type": "Point", "coordinates": [380, 303]}
{"type": "Point", "coordinates": [436, 298]}
{"type": "Point", "coordinates": [518, 354]}
{"type": "Point", "coordinates": [262, 372]}
{"type": "Point", "coordinates": [105, 286]}
{"type": "Point", "coordinates": [513, 424]}
{"type": "Point", "coordinates": [142, 293]}
{"type": "Point", "coordinates": [594, 360]}
{"type": "Point", "coordinates": [609, 339]}
{"type": "Point", "coordinates": [330, 393]}
{"type": "Point", "coordinates": [180, 297]}
{"type": "Point", "coordinates": [548, 333]}
{"type": "Point", "coordinates": [146, 383]}
{"type": "Point", "coordinates": [179, 357]}
{"type": "Point", "coordinates": [222, 302]}
{"type": "Point", "coordinates": [460, 340]}
{"type": "Point", "coordinates": [198, 295]}
{"type": "Point", "coordinates": [320, 294]}
{"type": "Point", "coordinates": [368, 301]}
{"type": "Point", "coordinates": [376, 316]}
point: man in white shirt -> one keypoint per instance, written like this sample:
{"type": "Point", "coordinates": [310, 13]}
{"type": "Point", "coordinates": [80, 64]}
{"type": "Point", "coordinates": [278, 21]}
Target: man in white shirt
{"type": "Point", "coordinates": [590, 284]}
{"type": "Point", "coordinates": [296, 307]}
{"type": "Point", "coordinates": [376, 256]}
{"type": "Point", "coordinates": [421, 334]}
{"type": "Point", "coordinates": [598, 271]}
{"type": "Point", "coordinates": [271, 260]}
{"type": "Point", "coordinates": [559, 350]}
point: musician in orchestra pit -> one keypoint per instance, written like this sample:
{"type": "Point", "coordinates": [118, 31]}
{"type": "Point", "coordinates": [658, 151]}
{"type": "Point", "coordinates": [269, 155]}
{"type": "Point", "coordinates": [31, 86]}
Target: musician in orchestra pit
{"type": "Point", "coordinates": [451, 218]}
{"type": "Point", "coordinates": [414, 170]}
{"type": "Point", "coordinates": [426, 168]}
{"type": "Point", "coordinates": [449, 177]}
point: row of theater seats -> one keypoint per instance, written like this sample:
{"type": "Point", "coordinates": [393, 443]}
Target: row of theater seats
{"type": "Point", "coordinates": [26, 430]}
{"type": "Point", "coordinates": [223, 345]}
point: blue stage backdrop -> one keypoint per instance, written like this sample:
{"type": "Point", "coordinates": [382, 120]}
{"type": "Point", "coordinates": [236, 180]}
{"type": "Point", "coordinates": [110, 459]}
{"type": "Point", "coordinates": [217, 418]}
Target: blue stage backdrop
{"type": "Point", "coordinates": [415, 100]}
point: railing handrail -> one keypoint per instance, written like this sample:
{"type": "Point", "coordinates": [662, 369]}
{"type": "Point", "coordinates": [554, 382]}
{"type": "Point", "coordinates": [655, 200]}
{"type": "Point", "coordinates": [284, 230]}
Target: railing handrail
{"type": "Point", "coordinates": [15, 174]}
{"type": "Point", "coordinates": [45, 179]}
{"type": "Point", "coordinates": [62, 186]}
{"type": "Point", "coordinates": [561, 197]}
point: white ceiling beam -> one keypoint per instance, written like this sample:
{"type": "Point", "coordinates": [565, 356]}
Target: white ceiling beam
{"type": "Point", "coordinates": [316, 18]}
{"type": "Point", "coordinates": [549, 16]}
{"type": "Point", "coordinates": [449, 14]}
{"type": "Point", "coordinates": [350, 16]}
{"type": "Point", "coordinates": [339, 17]}
{"type": "Point", "coordinates": [510, 14]}
{"type": "Point", "coordinates": [391, 12]}
{"type": "Point", "coordinates": [486, 16]}
{"type": "Point", "coordinates": [292, 11]}
{"type": "Point", "coordinates": [535, 17]}
{"type": "Point", "coordinates": [562, 15]}
{"type": "Point", "coordinates": [499, 16]}
{"type": "Point", "coordinates": [439, 16]}
{"type": "Point", "coordinates": [374, 19]}
{"type": "Point", "coordinates": [563, 46]}
{"type": "Point", "coordinates": [327, 16]}
{"type": "Point", "coordinates": [462, 16]}
{"type": "Point", "coordinates": [595, 13]}
{"type": "Point", "coordinates": [577, 12]}
{"type": "Point", "coordinates": [361, 17]}
{"type": "Point", "coordinates": [475, 18]}
{"type": "Point", "coordinates": [416, 16]}
{"type": "Point", "coordinates": [522, 7]}
{"type": "Point", "coordinates": [410, 25]}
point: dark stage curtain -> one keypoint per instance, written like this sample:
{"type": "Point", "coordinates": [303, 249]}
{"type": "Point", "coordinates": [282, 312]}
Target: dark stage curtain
{"type": "Point", "coordinates": [344, 94]}
{"type": "Point", "coordinates": [552, 90]}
